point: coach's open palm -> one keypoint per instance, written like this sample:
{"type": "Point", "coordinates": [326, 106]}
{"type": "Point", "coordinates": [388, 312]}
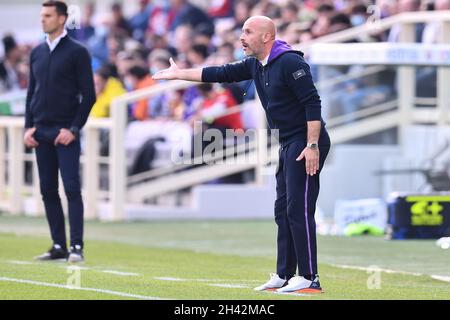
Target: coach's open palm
{"type": "Point", "coordinates": [169, 73]}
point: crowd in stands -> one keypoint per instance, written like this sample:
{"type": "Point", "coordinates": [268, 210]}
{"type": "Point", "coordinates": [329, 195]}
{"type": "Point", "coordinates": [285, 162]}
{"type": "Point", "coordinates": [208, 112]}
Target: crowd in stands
{"type": "Point", "coordinates": [127, 50]}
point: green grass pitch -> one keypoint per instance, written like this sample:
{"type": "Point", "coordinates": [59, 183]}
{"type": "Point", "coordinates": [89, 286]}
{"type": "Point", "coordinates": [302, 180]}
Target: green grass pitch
{"type": "Point", "coordinates": [220, 260]}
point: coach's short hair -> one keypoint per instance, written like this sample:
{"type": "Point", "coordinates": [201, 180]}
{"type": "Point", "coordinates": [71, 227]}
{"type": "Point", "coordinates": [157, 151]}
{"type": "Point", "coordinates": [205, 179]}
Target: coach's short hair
{"type": "Point", "coordinates": [60, 6]}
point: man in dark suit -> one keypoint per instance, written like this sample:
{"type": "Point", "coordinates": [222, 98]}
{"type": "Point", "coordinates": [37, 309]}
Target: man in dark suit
{"type": "Point", "coordinates": [60, 96]}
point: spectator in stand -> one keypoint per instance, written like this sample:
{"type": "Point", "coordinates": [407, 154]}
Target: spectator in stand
{"type": "Point", "coordinates": [345, 6]}
{"type": "Point", "coordinates": [213, 104]}
{"type": "Point", "coordinates": [305, 35]}
{"type": "Point", "coordinates": [139, 22]}
{"type": "Point", "coordinates": [9, 66]}
{"type": "Point", "coordinates": [224, 54]}
{"type": "Point", "coordinates": [406, 6]}
{"type": "Point", "coordinates": [266, 7]}
{"type": "Point", "coordinates": [106, 88]}
{"type": "Point", "coordinates": [120, 24]}
{"type": "Point", "coordinates": [161, 19]}
{"type": "Point", "coordinates": [433, 30]}
{"type": "Point", "coordinates": [432, 33]}
{"type": "Point", "coordinates": [160, 106]}
{"type": "Point", "coordinates": [221, 9]}
{"type": "Point", "coordinates": [210, 108]}
{"type": "Point", "coordinates": [339, 22]}
{"type": "Point", "coordinates": [124, 62]}
{"type": "Point", "coordinates": [139, 78]}
{"type": "Point", "coordinates": [320, 26]}
{"type": "Point", "coordinates": [289, 15]}
{"type": "Point", "coordinates": [187, 13]}
{"type": "Point", "coordinates": [358, 15]}
{"type": "Point", "coordinates": [115, 43]}
{"type": "Point", "coordinates": [241, 13]}
{"type": "Point", "coordinates": [98, 43]}
{"type": "Point", "coordinates": [183, 38]}
{"type": "Point", "coordinates": [197, 55]}
{"type": "Point", "coordinates": [202, 35]}
{"type": "Point", "coordinates": [387, 8]}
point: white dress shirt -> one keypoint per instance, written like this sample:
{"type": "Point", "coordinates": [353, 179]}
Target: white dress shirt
{"type": "Point", "coordinates": [52, 44]}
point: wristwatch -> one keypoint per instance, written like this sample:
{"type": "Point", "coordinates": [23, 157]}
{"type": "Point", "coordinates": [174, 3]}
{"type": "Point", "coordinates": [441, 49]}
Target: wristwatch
{"type": "Point", "coordinates": [75, 131]}
{"type": "Point", "coordinates": [313, 146]}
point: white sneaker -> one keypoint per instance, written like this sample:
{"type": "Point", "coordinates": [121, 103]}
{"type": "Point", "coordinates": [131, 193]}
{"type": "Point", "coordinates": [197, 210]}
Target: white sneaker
{"type": "Point", "coordinates": [76, 254]}
{"type": "Point", "coordinates": [301, 285]}
{"type": "Point", "coordinates": [274, 282]}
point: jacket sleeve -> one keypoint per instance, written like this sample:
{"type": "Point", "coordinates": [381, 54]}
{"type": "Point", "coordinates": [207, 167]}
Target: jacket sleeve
{"type": "Point", "coordinates": [230, 72]}
{"type": "Point", "coordinates": [297, 74]}
{"type": "Point", "coordinates": [85, 83]}
{"type": "Point", "coordinates": [29, 123]}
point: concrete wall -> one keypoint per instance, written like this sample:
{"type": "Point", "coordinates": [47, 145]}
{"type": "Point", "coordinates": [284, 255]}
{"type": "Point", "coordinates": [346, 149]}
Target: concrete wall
{"type": "Point", "coordinates": [349, 174]}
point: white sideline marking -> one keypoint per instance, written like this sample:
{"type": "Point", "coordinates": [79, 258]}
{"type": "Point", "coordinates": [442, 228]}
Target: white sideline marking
{"type": "Point", "coordinates": [120, 273]}
{"type": "Point", "coordinates": [441, 278]}
{"type": "Point", "coordinates": [19, 262]}
{"type": "Point", "coordinates": [203, 280]}
{"type": "Point", "coordinates": [226, 285]}
{"type": "Point", "coordinates": [342, 266]}
{"type": "Point", "coordinates": [169, 279]}
{"type": "Point", "coordinates": [433, 276]}
{"type": "Point", "coordinates": [54, 285]}
{"type": "Point", "coordinates": [220, 280]}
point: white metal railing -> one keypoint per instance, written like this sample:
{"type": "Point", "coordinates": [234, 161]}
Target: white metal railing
{"type": "Point", "coordinates": [241, 148]}
{"type": "Point", "coordinates": [363, 113]}
{"type": "Point", "coordinates": [323, 84]}
{"type": "Point", "coordinates": [14, 192]}
{"type": "Point", "coordinates": [400, 113]}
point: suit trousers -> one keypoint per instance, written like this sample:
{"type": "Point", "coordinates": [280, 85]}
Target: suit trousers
{"type": "Point", "coordinates": [295, 206]}
{"type": "Point", "coordinates": [52, 159]}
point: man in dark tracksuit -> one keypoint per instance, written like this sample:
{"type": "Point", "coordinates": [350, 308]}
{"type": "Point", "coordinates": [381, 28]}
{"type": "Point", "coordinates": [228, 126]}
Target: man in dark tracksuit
{"type": "Point", "coordinates": [60, 96]}
{"type": "Point", "coordinates": [287, 93]}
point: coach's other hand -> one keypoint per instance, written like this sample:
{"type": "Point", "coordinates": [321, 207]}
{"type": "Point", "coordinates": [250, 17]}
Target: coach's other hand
{"type": "Point", "coordinates": [28, 138]}
{"type": "Point", "coordinates": [311, 160]}
{"type": "Point", "coordinates": [65, 137]}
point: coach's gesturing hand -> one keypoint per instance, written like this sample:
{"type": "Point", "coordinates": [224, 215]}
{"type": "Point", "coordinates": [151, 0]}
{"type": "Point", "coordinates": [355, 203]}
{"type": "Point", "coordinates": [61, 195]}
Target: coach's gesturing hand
{"type": "Point", "coordinates": [28, 138]}
{"type": "Point", "coordinates": [174, 73]}
{"type": "Point", "coordinates": [311, 160]}
{"type": "Point", "coordinates": [65, 137]}
{"type": "Point", "coordinates": [170, 73]}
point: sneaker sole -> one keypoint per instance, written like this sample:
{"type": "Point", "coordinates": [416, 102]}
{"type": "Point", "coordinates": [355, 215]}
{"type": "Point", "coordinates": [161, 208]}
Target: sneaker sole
{"type": "Point", "coordinates": [309, 290]}
{"type": "Point", "coordinates": [75, 260]}
{"type": "Point", "coordinates": [268, 289]}
{"type": "Point", "coordinates": [271, 289]}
